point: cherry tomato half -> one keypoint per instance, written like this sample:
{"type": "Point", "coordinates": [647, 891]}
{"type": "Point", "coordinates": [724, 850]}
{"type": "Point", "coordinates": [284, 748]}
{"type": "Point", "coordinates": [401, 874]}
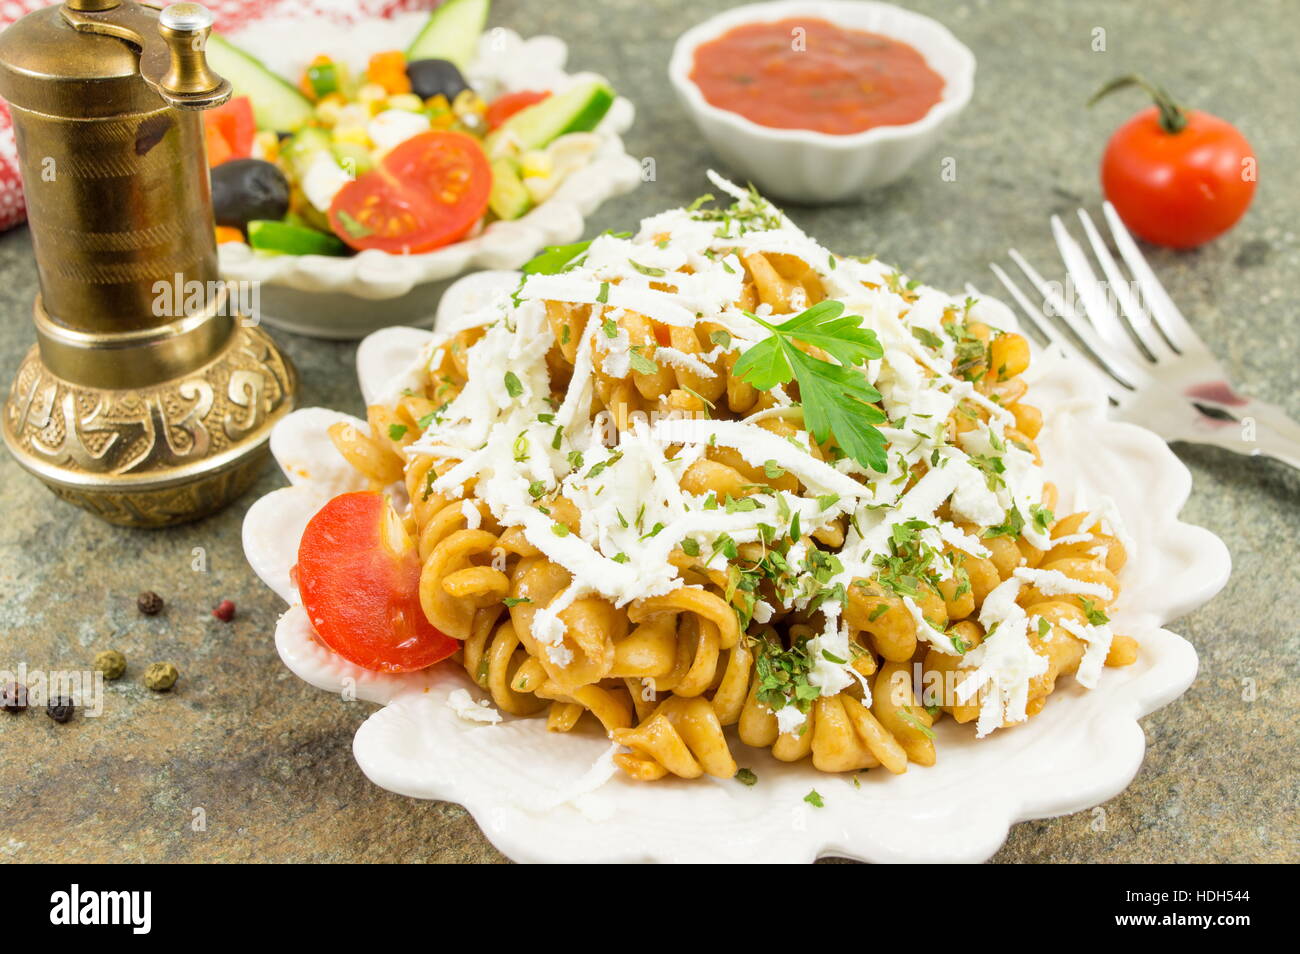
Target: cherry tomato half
{"type": "Point", "coordinates": [426, 193]}
{"type": "Point", "coordinates": [359, 577]}
{"type": "Point", "coordinates": [1177, 177]}
{"type": "Point", "coordinates": [505, 106]}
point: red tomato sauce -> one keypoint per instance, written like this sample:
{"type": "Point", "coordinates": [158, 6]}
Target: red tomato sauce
{"type": "Point", "coordinates": [811, 74]}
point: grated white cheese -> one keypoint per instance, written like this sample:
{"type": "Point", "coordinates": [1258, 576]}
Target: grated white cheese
{"type": "Point", "coordinates": [516, 444]}
{"type": "Point", "coordinates": [1005, 662]}
{"type": "Point", "coordinates": [463, 704]}
{"type": "Point", "coordinates": [1056, 583]}
{"type": "Point", "coordinates": [1098, 640]}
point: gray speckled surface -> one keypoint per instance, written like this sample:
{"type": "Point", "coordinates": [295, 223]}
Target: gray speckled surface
{"type": "Point", "coordinates": [268, 760]}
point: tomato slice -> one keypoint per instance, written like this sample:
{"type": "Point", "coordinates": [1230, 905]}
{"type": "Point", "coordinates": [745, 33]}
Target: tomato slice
{"type": "Point", "coordinates": [503, 107]}
{"type": "Point", "coordinates": [218, 148]}
{"type": "Point", "coordinates": [427, 193]}
{"type": "Point", "coordinates": [234, 123]}
{"type": "Point", "coordinates": [359, 577]}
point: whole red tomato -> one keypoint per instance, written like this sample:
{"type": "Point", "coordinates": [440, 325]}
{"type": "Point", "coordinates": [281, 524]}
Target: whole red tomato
{"type": "Point", "coordinates": [1177, 177]}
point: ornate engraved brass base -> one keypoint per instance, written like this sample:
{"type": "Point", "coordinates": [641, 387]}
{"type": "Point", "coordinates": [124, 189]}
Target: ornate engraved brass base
{"type": "Point", "coordinates": [156, 455]}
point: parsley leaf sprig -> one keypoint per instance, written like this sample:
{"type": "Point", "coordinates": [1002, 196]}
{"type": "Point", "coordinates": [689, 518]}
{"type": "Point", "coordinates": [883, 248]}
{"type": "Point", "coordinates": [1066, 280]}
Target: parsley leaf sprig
{"type": "Point", "coordinates": [836, 397]}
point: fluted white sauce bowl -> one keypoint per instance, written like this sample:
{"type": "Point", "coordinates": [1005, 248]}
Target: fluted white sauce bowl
{"type": "Point", "coordinates": [808, 166]}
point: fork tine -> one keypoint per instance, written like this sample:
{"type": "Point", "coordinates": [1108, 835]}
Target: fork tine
{"type": "Point", "coordinates": [1037, 320]}
{"type": "Point", "coordinates": [1040, 335]}
{"type": "Point", "coordinates": [1096, 304]}
{"type": "Point", "coordinates": [1113, 390]}
{"type": "Point", "coordinates": [1164, 312]}
{"type": "Point", "coordinates": [1130, 309]}
{"type": "Point", "coordinates": [1041, 328]}
{"type": "Point", "coordinates": [1122, 371]}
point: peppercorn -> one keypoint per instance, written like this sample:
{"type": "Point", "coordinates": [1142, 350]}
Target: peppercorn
{"type": "Point", "coordinates": [111, 663]}
{"type": "Point", "coordinates": [59, 708]}
{"type": "Point", "coordinates": [225, 611]}
{"type": "Point", "coordinates": [13, 697]}
{"type": "Point", "coordinates": [161, 676]}
{"type": "Point", "coordinates": [149, 603]}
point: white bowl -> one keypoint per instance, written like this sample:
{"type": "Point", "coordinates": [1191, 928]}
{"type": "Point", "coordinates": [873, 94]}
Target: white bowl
{"type": "Point", "coordinates": [545, 796]}
{"type": "Point", "coordinates": [332, 297]}
{"type": "Point", "coordinates": [815, 167]}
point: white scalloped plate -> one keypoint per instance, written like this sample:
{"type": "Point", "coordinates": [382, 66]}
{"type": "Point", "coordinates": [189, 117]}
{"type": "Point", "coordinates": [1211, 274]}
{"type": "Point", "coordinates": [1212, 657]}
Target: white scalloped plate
{"type": "Point", "coordinates": [505, 63]}
{"type": "Point", "coordinates": [543, 796]}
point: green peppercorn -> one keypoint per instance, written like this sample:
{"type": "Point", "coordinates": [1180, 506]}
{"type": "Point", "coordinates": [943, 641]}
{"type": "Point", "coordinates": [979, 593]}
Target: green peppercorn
{"type": "Point", "coordinates": [111, 663]}
{"type": "Point", "coordinates": [161, 676]}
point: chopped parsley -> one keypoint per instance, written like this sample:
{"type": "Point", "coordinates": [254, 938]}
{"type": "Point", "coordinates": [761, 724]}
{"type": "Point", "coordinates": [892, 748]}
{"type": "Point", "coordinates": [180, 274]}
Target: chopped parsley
{"type": "Point", "coordinates": [836, 398]}
{"type": "Point", "coordinates": [640, 363]}
{"type": "Point", "coordinates": [1095, 616]}
{"type": "Point", "coordinates": [647, 270]}
{"type": "Point", "coordinates": [782, 674]}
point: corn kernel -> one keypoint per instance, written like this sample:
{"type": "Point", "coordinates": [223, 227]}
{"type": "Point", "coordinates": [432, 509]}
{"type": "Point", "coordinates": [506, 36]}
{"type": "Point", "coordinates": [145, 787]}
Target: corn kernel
{"type": "Point", "coordinates": [372, 93]}
{"type": "Point", "coordinates": [266, 145]}
{"type": "Point", "coordinates": [535, 164]}
{"type": "Point", "coordinates": [352, 134]}
{"type": "Point", "coordinates": [407, 101]}
{"type": "Point", "coordinates": [353, 114]}
{"type": "Point", "coordinates": [329, 108]}
{"type": "Point", "coordinates": [467, 101]}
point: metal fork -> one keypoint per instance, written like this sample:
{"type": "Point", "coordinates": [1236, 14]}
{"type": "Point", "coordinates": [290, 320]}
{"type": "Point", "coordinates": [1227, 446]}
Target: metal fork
{"type": "Point", "coordinates": [1155, 370]}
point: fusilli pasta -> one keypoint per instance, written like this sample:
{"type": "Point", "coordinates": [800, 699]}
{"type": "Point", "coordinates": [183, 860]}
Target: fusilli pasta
{"type": "Point", "coordinates": [614, 522]}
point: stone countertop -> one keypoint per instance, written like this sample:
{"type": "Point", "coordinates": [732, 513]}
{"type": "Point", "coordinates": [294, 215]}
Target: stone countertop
{"type": "Point", "coordinates": [264, 762]}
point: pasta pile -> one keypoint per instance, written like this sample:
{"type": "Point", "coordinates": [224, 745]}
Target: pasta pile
{"type": "Point", "coordinates": [615, 524]}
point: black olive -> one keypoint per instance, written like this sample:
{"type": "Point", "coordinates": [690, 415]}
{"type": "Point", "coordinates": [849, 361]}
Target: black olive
{"type": "Point", "coordinates": [247, 189]}
{"type": "Point", "coordinates": [431, 77]}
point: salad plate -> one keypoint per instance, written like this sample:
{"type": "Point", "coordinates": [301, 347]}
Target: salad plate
{"type": "Point", "coordinates": [337, 297]}
{"type": "Point", "coordinates": [543, 796]}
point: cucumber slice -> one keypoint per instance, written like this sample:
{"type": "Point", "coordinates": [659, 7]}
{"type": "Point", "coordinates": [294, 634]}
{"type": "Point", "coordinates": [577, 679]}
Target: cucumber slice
{"type": "Point", "coordinates": [509, 199]}
{"type": "Point", "coordinates": [300, 149]}
{"type": "Point", "coordinates": [276, 104]}
{"type": "Point", "coordinates": [283, 238]}
{"type": "Point", "coordinates": [451, 32]}
{"type": "Point", "coordinates": [355, 158]}
{"type": "Point", "coordinates": [577, 110]}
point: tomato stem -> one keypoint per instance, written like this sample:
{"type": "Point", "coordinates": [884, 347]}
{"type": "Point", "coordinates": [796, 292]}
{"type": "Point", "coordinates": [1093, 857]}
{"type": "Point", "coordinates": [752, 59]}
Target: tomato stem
{"type": "Point", "coordinates": [1173, 118]}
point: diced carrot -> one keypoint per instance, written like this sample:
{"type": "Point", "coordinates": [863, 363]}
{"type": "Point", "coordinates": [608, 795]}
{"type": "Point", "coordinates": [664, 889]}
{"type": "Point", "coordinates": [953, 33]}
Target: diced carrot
{"type": "Point", "coordinates": [226, 233]}
{"type": "Point", "coordinates": [388, 69]}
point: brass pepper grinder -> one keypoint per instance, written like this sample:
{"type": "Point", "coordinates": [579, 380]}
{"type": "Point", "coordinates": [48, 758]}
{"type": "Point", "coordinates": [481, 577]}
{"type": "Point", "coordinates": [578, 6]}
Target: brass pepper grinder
{"type": "Point", "coordinates": [150, 394]}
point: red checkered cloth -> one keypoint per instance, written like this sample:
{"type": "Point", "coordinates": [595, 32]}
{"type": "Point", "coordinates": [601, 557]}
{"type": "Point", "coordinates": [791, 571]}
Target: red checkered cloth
{"type": "Point", "coordinates": [231, 15]}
